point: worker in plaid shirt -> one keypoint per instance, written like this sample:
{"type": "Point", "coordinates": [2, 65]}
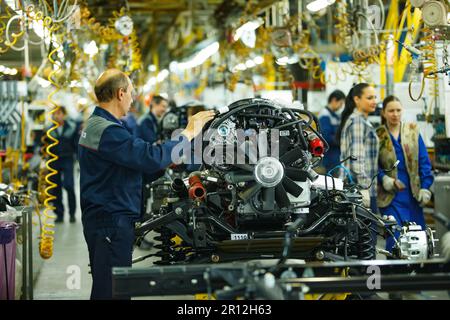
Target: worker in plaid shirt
{"type": "Point", "coordinates": [359, 139]}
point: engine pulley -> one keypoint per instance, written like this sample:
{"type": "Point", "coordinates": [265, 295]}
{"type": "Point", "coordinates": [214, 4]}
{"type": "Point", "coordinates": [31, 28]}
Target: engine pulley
{"type": "Point", "coordinates": [269, 172]}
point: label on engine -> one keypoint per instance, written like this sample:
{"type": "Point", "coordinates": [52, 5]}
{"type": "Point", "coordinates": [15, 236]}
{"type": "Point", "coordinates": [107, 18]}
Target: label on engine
{"type": "Point", "coordinates": [239, 236]}
{"type": "Point", "coordinates": [284, 133]}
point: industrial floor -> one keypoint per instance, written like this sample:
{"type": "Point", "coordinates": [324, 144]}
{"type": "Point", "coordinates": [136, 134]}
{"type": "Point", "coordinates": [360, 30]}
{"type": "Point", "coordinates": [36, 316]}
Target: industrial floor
{"type": "Point", "coordinates": [57, 278]}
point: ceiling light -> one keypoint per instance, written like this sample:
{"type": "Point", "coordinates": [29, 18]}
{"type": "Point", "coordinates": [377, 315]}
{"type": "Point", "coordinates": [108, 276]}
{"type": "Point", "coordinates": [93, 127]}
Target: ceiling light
{"type": "Point", "coordinates": [282, 61]}
{"type": "Point", "coordinates": [318, 5]}
{"type": "Point", "coordinates": [90, 48]}
{"type": "Point", "coordinates": [173, 66]}
{"type": "Point", "coordinates": [241, 67]}
{"type": "Point", "coordinates": [162, 75]}
{"type": "Point", "coordinates": [200, 57]}
{"type": "Point", "coordinates": [83, 101]}
{"type": "Point", "coordinates": [258, 60]}
{"type": "Point", "coordinates": [250, 63]}
{"type": "Point", "coordinates": [43, 83]}
{"type": "Point", "coordinates": [248, 26]}
{"type": "Point", "coordinates": [11, 4]}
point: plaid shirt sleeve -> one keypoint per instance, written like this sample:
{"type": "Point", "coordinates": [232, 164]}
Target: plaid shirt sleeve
{"type": "Point", "coordinates": [355, 137]}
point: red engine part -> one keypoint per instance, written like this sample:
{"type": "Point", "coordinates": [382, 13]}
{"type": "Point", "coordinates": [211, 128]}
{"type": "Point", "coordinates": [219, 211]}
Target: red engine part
{"type": "Point", "coordinates": [27, 156]}
{"type": "Point", "coordinates": [316, 146]}
{"type": "Point", "coordinates": [196, 189]}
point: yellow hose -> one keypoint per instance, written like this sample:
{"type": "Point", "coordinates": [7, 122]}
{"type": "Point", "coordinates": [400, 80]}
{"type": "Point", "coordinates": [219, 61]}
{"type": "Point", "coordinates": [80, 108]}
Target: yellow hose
{"type": "Point", "coordinates": [47, 232]}
{"type": "Point", "coordinates": [429, 65]}
{"type": "Point", "coordinates": [136, 57]}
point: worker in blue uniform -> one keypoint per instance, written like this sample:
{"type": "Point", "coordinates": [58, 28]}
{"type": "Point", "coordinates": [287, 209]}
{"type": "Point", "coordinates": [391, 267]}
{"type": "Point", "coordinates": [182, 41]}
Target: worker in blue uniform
{"type": "Point", "coordinates": [148, 124]}
{"type": "Point", "coordinates": [112, 163]}
{"type": "Point", "coordinates": [403, 191]}
{"type": "Point", "coordinates": [329, 121]}
{"type": "Point", "coordinates": [67, 135]}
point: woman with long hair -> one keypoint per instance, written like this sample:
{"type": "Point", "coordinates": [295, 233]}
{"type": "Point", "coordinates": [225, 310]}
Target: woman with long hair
{"type": "Point", "coordinates": [403, 191]}
{"type": "Point", "coordinates": [359, 139]}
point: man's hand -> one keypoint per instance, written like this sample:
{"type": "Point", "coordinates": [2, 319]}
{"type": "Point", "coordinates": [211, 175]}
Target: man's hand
{"type": "Point", "coordinates": [196, 124]}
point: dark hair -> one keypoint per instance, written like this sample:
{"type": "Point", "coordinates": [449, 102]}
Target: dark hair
{"type": "Point", "coordinates": [158, 99]}
{"type": "Point", "coordinates": [106, 90]}
{"type": "Point", "coordinates": [63, 110]}
{"type": "Point", "coordinates": [337, 95]}
{"type": "Point", "coordinates": [386, 101]}
{"type": "Point", "coordinates": [350, 105]}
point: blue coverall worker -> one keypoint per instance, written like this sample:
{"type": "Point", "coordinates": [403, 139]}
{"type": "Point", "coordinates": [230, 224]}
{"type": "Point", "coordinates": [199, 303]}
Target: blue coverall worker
{"type": "Point", "coordinates": [403, 191]}
{"type": "Point", "coordinates": [67, 135]}
{"type": "Point", "coordinates": [112, 163]}
{"type": "Point", "coordinates": [329, 121]}
{"type": "Point", "coordinates": [148, 126]}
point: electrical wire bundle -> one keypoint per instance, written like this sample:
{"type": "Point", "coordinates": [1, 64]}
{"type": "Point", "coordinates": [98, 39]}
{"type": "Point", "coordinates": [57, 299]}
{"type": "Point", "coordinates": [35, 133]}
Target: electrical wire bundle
{"type": "Point", "coordinates": [344, 34]}
{"type": "Point", "coordinates": [15, 36]}
{"type": "Point", "coordinates": [4, 16]}
{"type": "Point", "coordinates": [348, 39]}
{"type": "Point", "coordinates": [106, 33]}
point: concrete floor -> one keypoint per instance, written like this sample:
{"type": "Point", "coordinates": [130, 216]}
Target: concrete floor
{"type": "Point", "coordinates": [56, 278]}
{"type": "Point", "coordinates": [65, 276]}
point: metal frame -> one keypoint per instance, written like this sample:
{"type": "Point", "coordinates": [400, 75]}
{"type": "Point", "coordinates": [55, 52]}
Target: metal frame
{"type": "Point", "coordinates": [27, 251]}
{"type": "Point", "coordinates": [325, 277]}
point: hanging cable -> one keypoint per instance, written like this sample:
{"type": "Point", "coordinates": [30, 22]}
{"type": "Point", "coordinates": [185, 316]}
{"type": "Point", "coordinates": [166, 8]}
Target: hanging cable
{"type": "Point", "coordinates": [47, 232]}
{"type": "Point", "coordinates": [429, 65]}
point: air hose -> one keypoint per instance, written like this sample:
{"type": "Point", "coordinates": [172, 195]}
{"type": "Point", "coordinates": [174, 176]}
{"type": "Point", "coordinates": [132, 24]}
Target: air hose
{"type": "Point", "coordinates": [47, 232]}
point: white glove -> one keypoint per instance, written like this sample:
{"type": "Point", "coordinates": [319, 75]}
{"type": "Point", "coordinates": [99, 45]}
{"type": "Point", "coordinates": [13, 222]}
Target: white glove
{"type": "Point", "coordinates": [365, 198]}
{"type": "Point", "coordinates": [424, 197]}
{"type": "Point", "coordinates": [445, 244]}
{"type": "Point", "coordinates": [388, 183]}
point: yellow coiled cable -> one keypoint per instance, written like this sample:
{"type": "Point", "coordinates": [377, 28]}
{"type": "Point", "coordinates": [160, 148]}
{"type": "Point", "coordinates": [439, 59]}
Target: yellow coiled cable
{"type": "Point", "coordinates": [429, 65]}
{"type": "Point", "coordinates": [47, 232]}
{"type": "Point", "coordinates": [106, 33]}
{"type": "Point", "coordinates": [136, 57]}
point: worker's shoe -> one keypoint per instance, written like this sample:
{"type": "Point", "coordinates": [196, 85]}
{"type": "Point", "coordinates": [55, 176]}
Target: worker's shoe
{"type": "Point", "coordinates": [72, 219]}
{"type": "Point", "coordinates": [59, 220]}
